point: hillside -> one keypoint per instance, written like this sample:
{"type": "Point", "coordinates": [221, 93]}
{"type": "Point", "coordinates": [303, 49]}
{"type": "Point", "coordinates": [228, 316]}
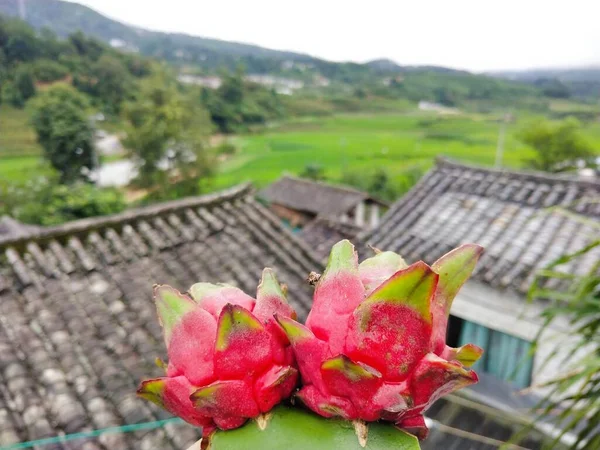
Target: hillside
{"type": "Point", "coordinates": [581, 82]}
{"type": "Point", "coordinates": [65, 18]}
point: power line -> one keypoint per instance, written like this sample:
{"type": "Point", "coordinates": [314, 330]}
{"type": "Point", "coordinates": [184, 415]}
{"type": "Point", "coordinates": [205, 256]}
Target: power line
{"type": "Point", "coordinates": [93, 434]}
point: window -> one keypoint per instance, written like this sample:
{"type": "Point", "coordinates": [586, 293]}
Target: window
{"type": "Point", "coordinates": [506, 357]}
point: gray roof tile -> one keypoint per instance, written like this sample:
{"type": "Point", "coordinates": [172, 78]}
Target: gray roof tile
{"type": "Point", "coordinates": [78, 330]}
{"type": "Point", "coordinates": [312, 196]}
{"type": "Point", "coordinates": [509, 213]}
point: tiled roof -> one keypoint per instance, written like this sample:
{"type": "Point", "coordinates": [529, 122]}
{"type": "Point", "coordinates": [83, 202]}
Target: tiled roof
{"type": "Point", "coordinates": [78, 329]}
{"type": "Point", "coordinates": [11, 228]}
{"type": "Point", "coordinates": [312, 196]}
{"type": "Point", "coordinates": [509, 213]}
{"type": "Point", "coordinates": [322, 233]}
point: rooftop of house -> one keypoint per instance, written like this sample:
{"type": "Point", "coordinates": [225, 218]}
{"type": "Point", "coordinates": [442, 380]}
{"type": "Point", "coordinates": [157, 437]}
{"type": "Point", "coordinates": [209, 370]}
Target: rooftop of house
{"type": "Point", "coordinates": [11, 228]}
{"type": "Point", "coordinates": [78, 328]}
{"type": "Point", "coordinates": [322, 233]}
{"type": "Point", "coordinates": [523, 219]}
{"type": "Point", "coordinates": [313, 197]}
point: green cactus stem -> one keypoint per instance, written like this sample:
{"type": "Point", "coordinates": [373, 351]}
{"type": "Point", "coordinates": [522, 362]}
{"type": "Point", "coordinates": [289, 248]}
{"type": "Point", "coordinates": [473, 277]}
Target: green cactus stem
{"type": "Point", "coordinates": [290, 428]}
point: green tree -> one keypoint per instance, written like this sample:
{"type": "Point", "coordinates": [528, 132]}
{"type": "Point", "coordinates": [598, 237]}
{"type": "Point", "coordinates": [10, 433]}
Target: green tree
{"type": "Point", "coordinates": [47, 70]}
{"type": "Point", "coordinates": [11, 95]}
{"type": "Point", "coordinates": [112, 83]}
{"type": "Point", "coordinates": [558, 146]}
{"type": "Point", "coordinates": [85, 46]}
{"type": "Point", "coordinates": [3, 65]}
{"type": "Point", "coordinates": [21, 43]}
{"type": "Point", "coordinates": [381, 186]}
{"type": "Point", "coordinates": [238, 104]}
{"type": "Point", "coordinates": [59, 117]}
{"type": "Point", "coordinates": [24, 82]}
{"type": "Point", "coordinates": [313, 172]}
{"type": "Point", "coordinates": [166, 137]}
{"type": "Point", "coordinates": [43, 201]}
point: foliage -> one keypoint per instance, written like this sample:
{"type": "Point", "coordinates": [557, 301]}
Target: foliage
{"type": "Point", "coordinates": [166, 135]}
{"type": "Point", "coordinates": [94, 68]}
{"type": "Point", "coordinates": [558, 146]}
{"type": "Point", "coordinates": [380, 184]}
{"type": "Point", "coordinates": [237, 104]}
{"type": "Point", "coordinates": [578, 82]}
{"type": "Point", "coordinates": [43, 201]}
{"type": "Point", "coordinates": [226, 148]}
{"type": "Point", "coordinates": [24, 83]}
{"type": "Point", "coordinates": [46, 70]}
{"type": "Point", "coordinates": [18, 41]}
{"type": "Point", "coordinates": [59, 117]}
{"type": "Point", "coordinates": [552, 87]}
{"type": "Point", "coordinates": [573, 401]}
{"type": "Point", "coordinates": [11, 95]}
{"type": "Point", "coordinates": [313, 172]}
{"type": "Point", "coordinates": [108, 81]}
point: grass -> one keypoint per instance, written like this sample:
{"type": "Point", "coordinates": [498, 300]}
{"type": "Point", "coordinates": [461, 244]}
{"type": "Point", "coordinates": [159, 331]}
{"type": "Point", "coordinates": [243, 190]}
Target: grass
{"type": "Point", "coordinates": [399, 142]}
{"type": "Point", "coordinates": [364, 143]}
{"type": "Point", "coordinates": [17, 138]}
{"type": "Point", "coordinates": [22, 168]}
{"type": "Point", "coordinates": [20, 154]}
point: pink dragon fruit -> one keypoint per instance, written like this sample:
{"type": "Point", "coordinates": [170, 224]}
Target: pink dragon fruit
{"type": "Point", "coordinates": [374, 342]}
{"type": "Point", "coordinates": [228, 359]}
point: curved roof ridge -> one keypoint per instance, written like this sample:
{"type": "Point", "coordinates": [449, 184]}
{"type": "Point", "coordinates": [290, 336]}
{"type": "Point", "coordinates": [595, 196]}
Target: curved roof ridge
{"type": "Point", "coordinates": [83, 226]}
{"type": "Point", "coordinates": [340, 187]}
{"type": "Point", "coordinates": [533, 175]}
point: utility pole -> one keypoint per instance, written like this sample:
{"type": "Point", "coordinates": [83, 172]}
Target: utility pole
{"type": "Point", "coordinates": [501, 138]}
{"type": "Point", "coordinates": [22, 10]}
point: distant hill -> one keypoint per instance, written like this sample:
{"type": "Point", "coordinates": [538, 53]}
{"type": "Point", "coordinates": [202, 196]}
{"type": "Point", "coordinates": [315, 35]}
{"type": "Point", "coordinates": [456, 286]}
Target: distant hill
{"type": "Point", "coordinates": [65, 18]}
{"type": "Point", "coordinates": [384, 65]}
{"type": "Point", "coordinates": [582, 82]}
{"type": "Point", "coordinates": [590, 73]}
{"type": "Point", "coordinates": [438, 84]}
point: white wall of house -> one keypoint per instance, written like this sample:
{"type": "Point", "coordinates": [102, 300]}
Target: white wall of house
{"type": "Point", "coordinates": [359, 214]}
{"type": "Point", "coordinates": [374, 215]}
{"type": "Point", "coordinates": [366, 214]}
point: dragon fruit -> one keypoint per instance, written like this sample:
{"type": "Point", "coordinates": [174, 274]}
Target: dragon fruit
{"type": "Point", "coordinates": [228, 359]}
{"type": "Point", "coordinates": [374, 342]}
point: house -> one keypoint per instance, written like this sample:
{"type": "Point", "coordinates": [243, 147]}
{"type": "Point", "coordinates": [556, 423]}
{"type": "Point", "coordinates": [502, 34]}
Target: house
{"type": "Point", "coordinates": [285, 86]}
{"type": "Point", "coordinates": [209, 82]}
{"type": "Point", "coordinates": [299, 201]}
{"type": "Point", "coordinates": [322, 233]}
{"type": "Point", "coordinates": [508, 213]}
{"type": "Point", "coordinates": [78, 328]}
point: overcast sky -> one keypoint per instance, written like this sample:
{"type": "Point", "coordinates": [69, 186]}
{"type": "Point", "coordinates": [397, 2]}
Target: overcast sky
{"type": "Point", "coordinates": [470, 34]}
